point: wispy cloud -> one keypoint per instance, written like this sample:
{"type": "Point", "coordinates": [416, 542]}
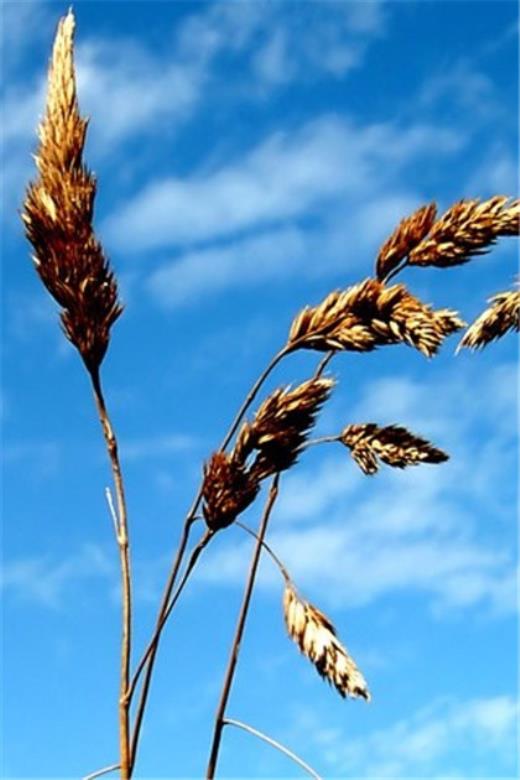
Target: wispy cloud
{"type": "Point", "coordinates": [43, 581]}
{"type": "Point", "coordinates": [451, 734]}
{"type": "Point", "coordinates": [414, 531]}
{"type": "Point", "coordinates": [281, 178]}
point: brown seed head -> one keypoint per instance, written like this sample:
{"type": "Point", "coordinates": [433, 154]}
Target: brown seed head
{"type": "Point", "coordinates": [502, 316]}
{"type": "Point", "coordinates": [58, 212]}
{"type": "Point", "coordinates": [227, 490]}
{"type": "Point", "coordinates": [468, 228]}
{"type": "Point", "coordinates": [369, 315]}
{"type": "Point", "coordinates": [410, 232]}
{"type": "Point", "coordinates": [392, 444]}
{"type": "Point", "coordinates": [281, 426]}
{"type": "Point", "coordinates": [316, 637]}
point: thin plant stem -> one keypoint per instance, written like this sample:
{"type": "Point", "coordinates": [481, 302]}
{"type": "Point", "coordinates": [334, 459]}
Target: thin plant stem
{"type": "Point", "coordinates": [273, 743]}
{"type": "Point", "coordinates": [324, 363]}
{"type": "Point", "coordinates": [152, 647]}
{"type": "Point", "coordinates": [395, 271]}
{"type": "Point", "coordinates": [121, 527]}
{"type": "Point", "coordinates": [151, 653]}
{"type": "Point", "coordinates": [269, 550]}
{"type": "Point", "coordinates": [321, 440]}
{"type": "Point", "coordinates": [104, 771]}
{"type": "Point", "coordinates": [239, 630]}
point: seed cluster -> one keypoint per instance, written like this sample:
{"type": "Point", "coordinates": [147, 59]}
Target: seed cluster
{"type": "Point", "coordinates": [58, 213]}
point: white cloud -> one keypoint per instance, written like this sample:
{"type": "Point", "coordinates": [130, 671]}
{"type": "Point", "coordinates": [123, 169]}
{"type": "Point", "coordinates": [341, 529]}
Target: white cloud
{"type": "Point", "coordinates": [279, 254]}
{"type": "Point", "coordinates": [44, 582]}
{"type": "Point", "coordinates": [284, 177]}
{"type": "Point", "coordinates": [351, 540]}
{"type": "Point", "coordinates": [463, 735]}
{"type": "Point", "coordinates": [459, 736]}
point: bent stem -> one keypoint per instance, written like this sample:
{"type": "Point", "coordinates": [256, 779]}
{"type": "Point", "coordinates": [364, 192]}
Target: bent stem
{"type": "Point", "coordinates": [99, 772]}
{"type": "Point", "coordinates": [121, 532]}
{"type": "Point", "coordinates": [273, 743]}
{"type": "Point", "coordinates": [283, 571]}
{"type": "Point", "coordinates": [148, 658]}
{"type": "Point", "coordinates": [152, 647]}
{"type": "Point", "coordinates": [235, 648]}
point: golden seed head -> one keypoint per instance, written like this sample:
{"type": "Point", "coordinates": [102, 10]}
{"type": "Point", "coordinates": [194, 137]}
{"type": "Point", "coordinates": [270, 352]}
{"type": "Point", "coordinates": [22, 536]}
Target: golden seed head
{"type": "Point", "coordinates": [58, 213]}
{"type": "Point", "coordinates": [316, 637]}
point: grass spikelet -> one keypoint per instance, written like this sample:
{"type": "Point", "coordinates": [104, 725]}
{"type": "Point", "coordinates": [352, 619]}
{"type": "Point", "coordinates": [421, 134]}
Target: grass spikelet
{"type": "Point", "coordinates": [58, 213]}
{"type": "Point", "coordinates": [281, 426]}
{"type": "Point", "coordinates": [316, 637]}
{"type": "Point", "coordinates": [407, 235]}
{"type": "Point", "coordinates": [467, 229]}
{"type": "Point", "coordinates": [502, 316]}
{"type": "Point", "coordinates": [228, 489]}
{"type": "Point", "coordinates": [393, 444]}
{"type": "Point", "coordinates": [369, 315]}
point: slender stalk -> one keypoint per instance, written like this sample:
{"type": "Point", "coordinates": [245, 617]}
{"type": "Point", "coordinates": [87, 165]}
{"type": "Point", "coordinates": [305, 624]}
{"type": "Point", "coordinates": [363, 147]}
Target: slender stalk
{"type": "Point", "coordinates": [152, 647]}
{"type": "Point", "coordinates": [269, 550]}
{"type": "Point", "coordinates": [104, 771]}
{"type": "Point", "coordinates": [324, 363]}
{"type": "Point", "coordinates": [395, 271]}
{"type": "Point", "coordinates": [321, 440]}
{"type": "Point", "coordinates": [235, 648]}
{"type": "Point", "coordinates": [126, 580]}
{"type": "Point", "coordinates": [148, 658]}
{"type": "Point", "coordinates": [273, 743]}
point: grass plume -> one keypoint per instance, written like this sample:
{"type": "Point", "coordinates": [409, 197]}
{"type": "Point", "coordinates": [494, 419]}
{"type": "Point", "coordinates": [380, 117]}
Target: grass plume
{"type": "Point", "coordinates": [58, 214]}
{"type": "Point", "coordinates": [502, 316]}
{"type": "Point", "coordinates": [369, 315]}
{"type": "Point", "coordinates": [393, 444]}
{"type": "Point", "coordinates": [407, 235]}
{"type": "Point", "coordinates": [466, 229]}
{"type": "Point", "coordinates": [316, 637]}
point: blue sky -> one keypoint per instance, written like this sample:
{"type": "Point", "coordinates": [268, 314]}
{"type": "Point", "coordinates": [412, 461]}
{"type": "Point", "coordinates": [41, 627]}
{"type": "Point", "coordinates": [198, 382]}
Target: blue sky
{"type": "Point", "coordinates": [251, 157]}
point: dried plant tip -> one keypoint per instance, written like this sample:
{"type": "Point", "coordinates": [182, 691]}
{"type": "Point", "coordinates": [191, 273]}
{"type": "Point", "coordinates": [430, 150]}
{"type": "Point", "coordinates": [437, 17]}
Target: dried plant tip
{"type": "Point", "coordinates": [281, 426]}
{"type": "Point", "coordinates": [468, 228]}
{"type": "Point", "coordinates": [227, 490]}
{"type": "Point", "coordinates": [316, 637]}
{"type": "Point", "coordinates": [58, 212]}
{"type": "Point", "coordinates": [407, 235]}
{"type": "Point", "coordinates": [392, 444]}
{"type": "Point", "coordinates": [503, 315]}
{"type": "Point", "coordinates": [369, 315]}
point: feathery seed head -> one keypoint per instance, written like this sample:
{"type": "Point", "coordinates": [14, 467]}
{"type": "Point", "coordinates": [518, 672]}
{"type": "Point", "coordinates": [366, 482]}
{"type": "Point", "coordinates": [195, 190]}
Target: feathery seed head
{"type": "Point", "coordinates": [369, 315]}
{"type": "Point", "coordinates": [58, 213]}
{"type": "Point", "coordinates": [466, 229]}
{"type": "Point", "coordinates": [227, 490]}
{"type": "Point", "coordinates": [502, 316]}
{"type": "Point", "coordinates": [393, 444]}
{"type": "Point", "coordinates": [410, 232]}
{"type": "Point", "coordinates": [316, 637]}
{"type": "Point", "coordinates": [281, 426]}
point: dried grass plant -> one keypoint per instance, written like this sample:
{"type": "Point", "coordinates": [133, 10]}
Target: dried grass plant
{"type": "Point", "coordinates": [58, 219]}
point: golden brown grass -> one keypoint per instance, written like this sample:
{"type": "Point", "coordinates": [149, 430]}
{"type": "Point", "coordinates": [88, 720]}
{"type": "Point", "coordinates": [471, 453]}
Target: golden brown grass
{"type": "Point", "coordinates": [316, 637]}
{"type": "Point", "coordinates": [407, 235]}
{"type": "Point", "coordinates": [503, 315]}
{"type": "Point", "coordinates": [392, 444]}
{"type": "Point", "coordinates": [369, 315]}
{"type": "Point", "coordinates": [58, 219]}
{"type": "Point", "coordinates": [58, 213]}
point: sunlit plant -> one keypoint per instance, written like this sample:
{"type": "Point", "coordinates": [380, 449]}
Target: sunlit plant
{"type": "Point", "coordinates": [260, 444]}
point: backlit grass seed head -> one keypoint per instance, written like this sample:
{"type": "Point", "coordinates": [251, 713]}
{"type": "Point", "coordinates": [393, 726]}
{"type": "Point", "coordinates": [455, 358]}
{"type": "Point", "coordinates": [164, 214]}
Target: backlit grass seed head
{"type": "Point", "coordinates": [410, 232]}
{"type": "Point", "coordinates": [468, 228]}
{"type": "Point", "coordinates": [281, 426]}
{"type": "Point", "coordinates": [228, 488]}
{"type": "Point", "coordinates": [393, 444]}
{"type": "Point", "coordinates": [369, 315]}
{"type": "Point", "coordinates": [58, 213]}
{"type": "Point", "coordinates": [502, 316]}
{"type": "Point", "coordinates": [316, 637]}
